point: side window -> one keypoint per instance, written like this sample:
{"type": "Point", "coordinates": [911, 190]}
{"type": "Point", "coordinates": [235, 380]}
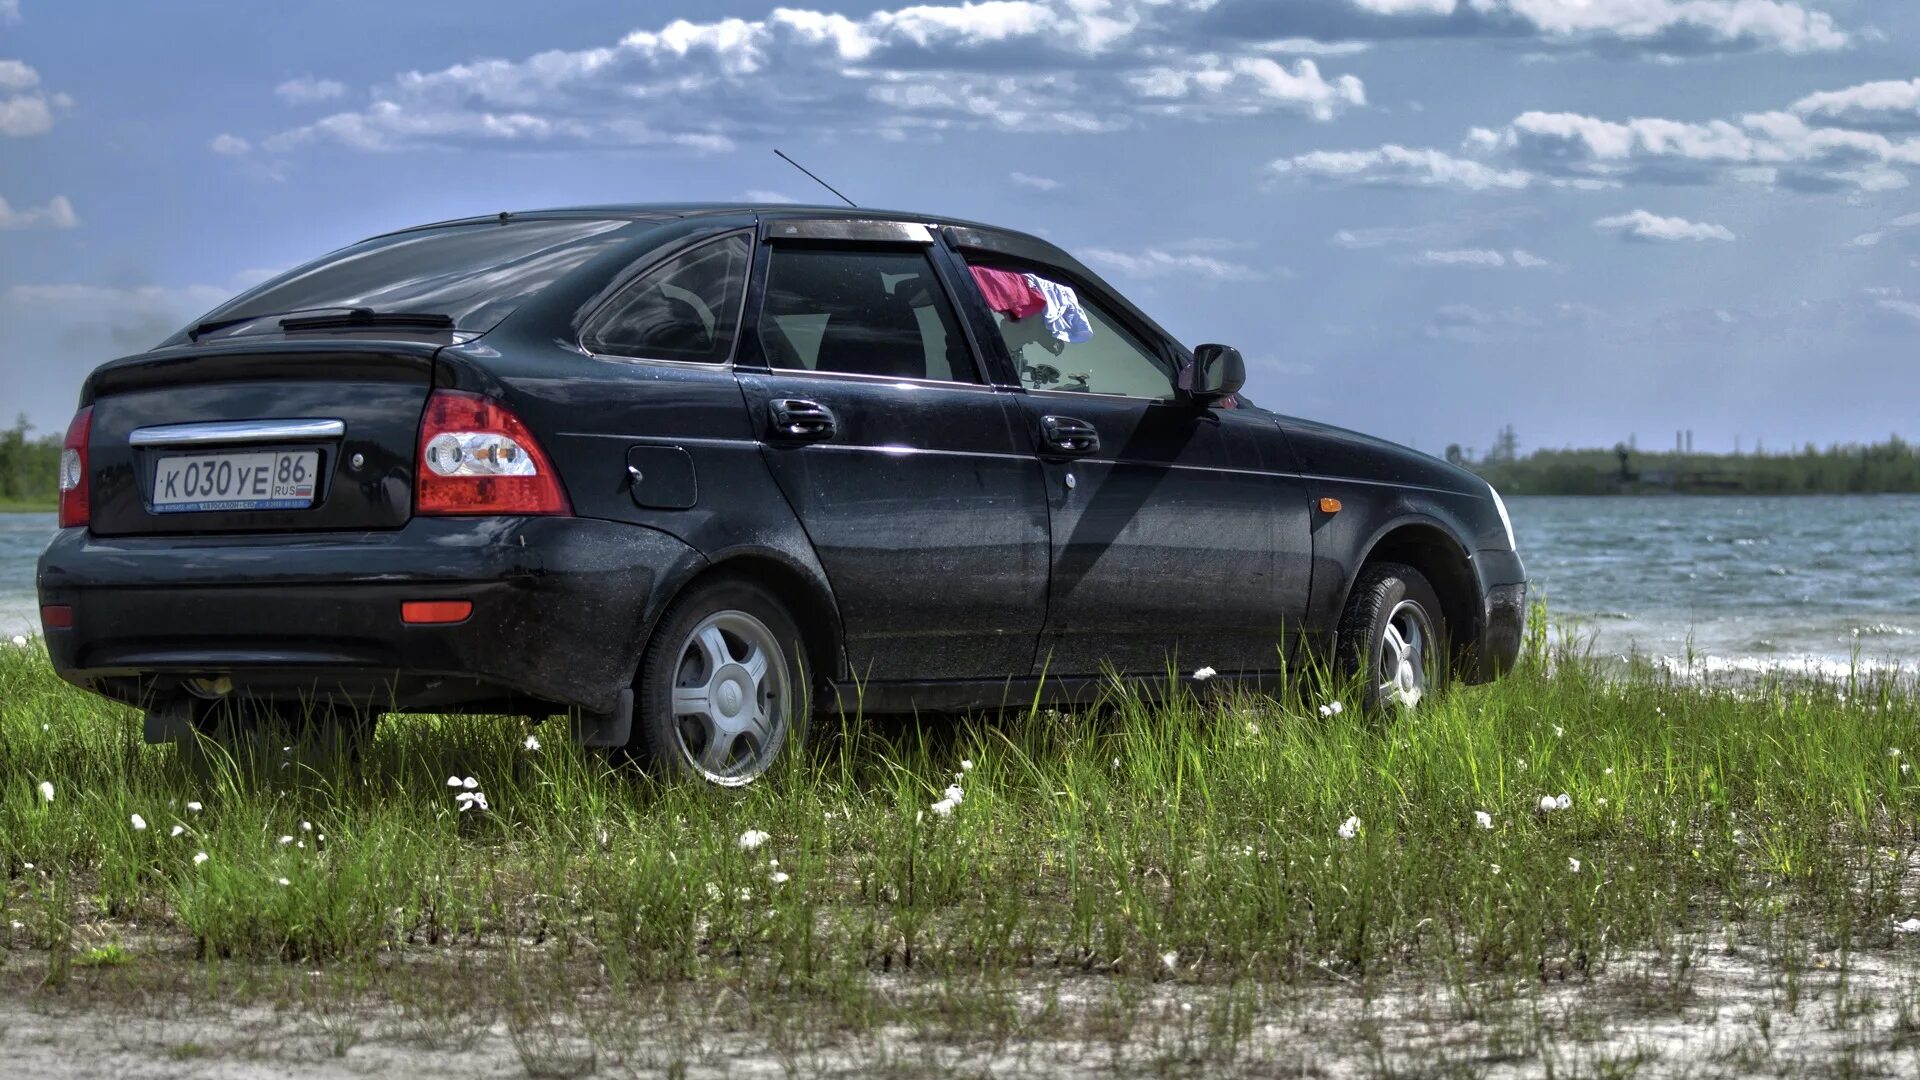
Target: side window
{"type": "Point", "coordinates": [686, 309]}
{"type": "Point", "coordinates": [1061, 339]}
{"type": "Point", "coordinates": [862, 313]}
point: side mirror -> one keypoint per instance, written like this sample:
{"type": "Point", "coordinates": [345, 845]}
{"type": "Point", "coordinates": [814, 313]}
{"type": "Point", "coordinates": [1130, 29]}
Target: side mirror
{"type": "Point", "coordinates": [1218, 372]}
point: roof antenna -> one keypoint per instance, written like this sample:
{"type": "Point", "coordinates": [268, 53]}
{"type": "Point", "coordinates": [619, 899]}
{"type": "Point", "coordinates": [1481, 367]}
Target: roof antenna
{"type": "Point", "coordinates": [817, 180]}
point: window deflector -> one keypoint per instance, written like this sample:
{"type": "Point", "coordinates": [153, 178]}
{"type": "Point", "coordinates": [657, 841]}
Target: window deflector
{"type": "Point", "coordinates": [854, 230]}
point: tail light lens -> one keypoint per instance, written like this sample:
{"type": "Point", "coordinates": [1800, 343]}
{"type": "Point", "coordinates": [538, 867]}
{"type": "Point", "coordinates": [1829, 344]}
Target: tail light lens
{"type": "Point", "coordinates": [476, 457]}
{"type": "Point", "coordinates": [74, 506]}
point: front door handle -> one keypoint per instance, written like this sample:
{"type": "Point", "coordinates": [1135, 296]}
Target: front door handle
{"type": "Point", "coordinates": [800, 420]}
{"type": "Point", "coordinates": [1068, 435]}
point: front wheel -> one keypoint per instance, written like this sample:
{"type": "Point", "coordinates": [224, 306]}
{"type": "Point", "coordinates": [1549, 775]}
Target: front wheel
{"type": "Point", "coordinates": [1393, 637]}
{"type": "Point", "coordinates": [720, 690]}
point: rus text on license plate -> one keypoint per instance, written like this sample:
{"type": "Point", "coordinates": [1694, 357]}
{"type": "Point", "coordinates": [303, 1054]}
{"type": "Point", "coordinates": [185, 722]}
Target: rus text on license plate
{"type": "Point", "coordinates": [254, 480]}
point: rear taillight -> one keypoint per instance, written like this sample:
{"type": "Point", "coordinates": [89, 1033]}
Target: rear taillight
{"type": "Point", "coordinates": [74, 509]}
{"type": "Point", "coordinates": [476, 457]}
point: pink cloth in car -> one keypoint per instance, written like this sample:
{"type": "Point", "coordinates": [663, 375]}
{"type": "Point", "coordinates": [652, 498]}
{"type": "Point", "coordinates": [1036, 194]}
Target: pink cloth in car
{"type": "Point", "coordinates": [1008, 292]}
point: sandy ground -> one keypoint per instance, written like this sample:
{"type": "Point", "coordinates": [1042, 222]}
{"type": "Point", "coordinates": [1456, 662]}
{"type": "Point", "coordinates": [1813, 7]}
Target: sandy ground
{"type": "Point", "coordinates": [1722, 1016]}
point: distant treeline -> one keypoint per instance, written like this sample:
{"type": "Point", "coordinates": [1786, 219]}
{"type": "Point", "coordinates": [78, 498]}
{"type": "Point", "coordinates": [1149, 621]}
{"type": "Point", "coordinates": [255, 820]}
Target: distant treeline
{"type": "Point", "coordinates": [29, 467]}
{"type": "Point", "coordinates": [1891, 466]}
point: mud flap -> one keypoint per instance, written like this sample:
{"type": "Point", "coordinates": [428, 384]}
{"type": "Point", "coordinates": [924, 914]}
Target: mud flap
{"type": "Point", "coordinates": [170, 722]}
{"type": "Point", "coordinates": [612, 729]}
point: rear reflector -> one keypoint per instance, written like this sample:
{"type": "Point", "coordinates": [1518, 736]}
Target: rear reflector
{"type": "Point", "coordinates": [56, 616]}
{"type": "Point", "coordinates": [429, 612]}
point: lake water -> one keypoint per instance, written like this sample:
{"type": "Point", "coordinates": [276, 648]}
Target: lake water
{"type": "Point", "coordinates": [1806, 583]}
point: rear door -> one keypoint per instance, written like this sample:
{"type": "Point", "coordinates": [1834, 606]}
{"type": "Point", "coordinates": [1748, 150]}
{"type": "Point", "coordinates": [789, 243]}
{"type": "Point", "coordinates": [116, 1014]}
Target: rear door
{"type": "Point", "coordinates": [1179, 532]}
{"type": "Point", "coordinates": [913, 477]}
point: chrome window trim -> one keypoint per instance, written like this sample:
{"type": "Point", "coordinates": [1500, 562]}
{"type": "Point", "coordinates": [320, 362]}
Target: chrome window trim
{"type": "Point", "coordinates": [912, 382]}
{"type": "Point", "coordinates": [220, 432]}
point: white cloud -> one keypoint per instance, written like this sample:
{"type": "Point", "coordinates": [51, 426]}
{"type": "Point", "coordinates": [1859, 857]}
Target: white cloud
{"type": "Point", "coordinates": [56, 214]}
{"type": "Point", "coordinates": [307, 90]}
{"type": "Point", "coordinates": [1062, 66]}
{"type": "Point", "coordinates": [1796, 148]}
{"type": "Point", "coordinates": [15, 75]}
{"type": "Point", "coordinates": [1158, 262]}
{"type": "Point", "coordinates": [1481, 258]}
{"type": "Point", "coordinates": [230, 145]}
{"type": "Point", "coordinates": [1037, 183]}
{"type": "Point", "coordinates": [1299, 46]}
{"type": "Point", "coordinates": [1399, 165]}
{"type": "Point", "coordinates": [1645, 225]}
{"type": "Point", "coordinates": [1900, 224]}
{"type": "Point", "coordinates": [25, 110]}
{"type": "Point", "coordinates": [9, 11]}
{"type": "Point", "coordinates": [1672, 27]}
{"type": "Point", "coordinates": [762, 195]}
{"type": "Point", "coordinates": [1871, 104]}
{"type": "Point", "coordinates": [1475, 257]}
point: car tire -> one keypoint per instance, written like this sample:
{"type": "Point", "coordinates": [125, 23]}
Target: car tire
{"type": "Point", "coordinates": [721, 691]}
{"type": "Point", "coordinates": [1393, 637]}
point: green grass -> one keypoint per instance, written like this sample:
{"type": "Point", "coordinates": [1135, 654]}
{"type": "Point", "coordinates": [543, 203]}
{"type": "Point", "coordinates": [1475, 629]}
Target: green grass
{"type": "Point", "coordinates": [1137, 850]}
{"type": "Point", "coordinates": [29, 506]}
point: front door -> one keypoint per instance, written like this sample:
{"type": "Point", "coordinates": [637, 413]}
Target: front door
{"type": "Point", "coordinates": [911, 475]}
{"type": "Point", "coordinates": [1180, 533]}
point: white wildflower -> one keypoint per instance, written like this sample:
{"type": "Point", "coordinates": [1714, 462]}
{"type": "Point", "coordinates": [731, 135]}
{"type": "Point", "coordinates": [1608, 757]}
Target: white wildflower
{"type": "Point", "coordinates": [1906, 926]}
{"type": "Point", "coordinates": [306, 826]}
{"type": "Point", "coordinates": [1203, 674]}
{"type": "Point", "coordinates": [17, 925]}
{"type": "Point", "coordinates": [46, 791]}
{"type": "Point", "coordinates": [284, 881]}
{"type": "Point", "coordinates": [139, 823]}
{"type": "Point", "coordinates": [1601, 801]}
{"type": "Point", "coordinates": [1573, 864]}
{"type": "Point", "coordinates": [1905, 768]}
{"type": "Point", "coordinates": [1483, 819]}
{"type": "Point", "coordinates": [943, 808]}
{"type": "Point", "coordinates": [471, 800]}
{"type": "Point", "coordinates": [954, 794]}
{"type": "Point", "coordinates": [779, 877]}
{"type": "Point", "coordinates": [453, 781]}
{"type": "Point", "coordinates": [753, 838]}
{"type": "Point", "coordinates": [1609, 771]}
{"type": "Point", "coordinates": [470, 784]}
{"type": "Point", "coordinates": [966, 765]}
{"type": "Point", "coordinates": [713, 891]}
{"type": "Point", "coordinates": [195, 807]}
{"type": "Point", "coordinates": [1350, 828]}
{"type": "Point", "coordinates": [1558, 731]}
{"type": "Point", "coordinates": [1563, 801]}
{"type": "Point", "coordinates": [1332, 709]}
{"type": "Point", "coordinates": [285, 840]}
{"type": "Point", "coordinates": [1170, 960]}
{"type": "Point", "coordinates": [1893, 751]}
{"type": "Point", "coordinates": [178, 830]}
{"type": "Point", "coordinates": [19, 641]}
{"type": "Point", "coordinates": [1116, 763]}
{"type": "Point", "coordinates": [1496, 869]}
{"type": "Point", "coordinates": [532, 742]}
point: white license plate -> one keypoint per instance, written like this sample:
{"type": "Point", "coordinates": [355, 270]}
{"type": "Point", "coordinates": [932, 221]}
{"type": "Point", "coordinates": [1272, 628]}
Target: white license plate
{"type": "Point", "coordinates": [252, 480]}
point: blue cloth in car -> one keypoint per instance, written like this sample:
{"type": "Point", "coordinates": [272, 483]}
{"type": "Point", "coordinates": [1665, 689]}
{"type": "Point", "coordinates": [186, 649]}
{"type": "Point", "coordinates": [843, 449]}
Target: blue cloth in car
{"type": "Point", "coordinates": [1065, 317]}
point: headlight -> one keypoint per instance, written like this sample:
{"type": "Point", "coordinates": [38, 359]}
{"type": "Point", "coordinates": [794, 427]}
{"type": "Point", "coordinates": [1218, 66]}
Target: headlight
{"type": "Point", "coordinates": [1505, 521]}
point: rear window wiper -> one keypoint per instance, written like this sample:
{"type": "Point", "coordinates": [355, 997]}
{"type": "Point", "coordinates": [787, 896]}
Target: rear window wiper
{"type": "Point", "coordinates": [358, 317]}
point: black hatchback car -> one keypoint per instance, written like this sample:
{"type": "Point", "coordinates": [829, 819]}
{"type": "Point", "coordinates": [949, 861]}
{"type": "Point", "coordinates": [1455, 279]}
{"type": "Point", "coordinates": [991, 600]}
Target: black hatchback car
{"type": "Point", "coordinates": [691, 472]}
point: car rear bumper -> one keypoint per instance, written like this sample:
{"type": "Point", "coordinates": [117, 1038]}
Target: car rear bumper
{"type": "Point", "coordinates": [560, 609]}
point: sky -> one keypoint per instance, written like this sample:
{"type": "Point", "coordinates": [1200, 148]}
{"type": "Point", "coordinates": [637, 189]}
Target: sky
{"type": "Point", "coordinates": [1594, 220]}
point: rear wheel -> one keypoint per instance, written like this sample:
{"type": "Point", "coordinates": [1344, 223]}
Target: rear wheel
{"type": "Point", "coordinates": [1393, 637]}
{"type": "Point", "coordinates": [720, 691]}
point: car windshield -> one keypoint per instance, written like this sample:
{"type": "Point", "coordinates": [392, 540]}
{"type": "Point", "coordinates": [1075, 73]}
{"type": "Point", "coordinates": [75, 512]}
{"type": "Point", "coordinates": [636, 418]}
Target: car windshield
{"type": "Point", "coordinates": [475, 274]}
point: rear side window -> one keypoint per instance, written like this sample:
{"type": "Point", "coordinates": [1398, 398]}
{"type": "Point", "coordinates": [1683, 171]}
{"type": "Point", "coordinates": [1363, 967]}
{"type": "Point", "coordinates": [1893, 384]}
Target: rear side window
{"type": "Point", "coordinates": [862, 313]}
{"type": "Point", "coordinates": [685, 309]}
{"type": "Point", "coordinates": [476, 274]}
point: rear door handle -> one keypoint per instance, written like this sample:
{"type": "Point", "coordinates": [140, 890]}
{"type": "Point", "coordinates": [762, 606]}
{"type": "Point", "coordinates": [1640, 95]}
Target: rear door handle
{"type": "Point", "coordinates": [1067, 435]}
{"type": "Point", "coordinates": [800, 420]}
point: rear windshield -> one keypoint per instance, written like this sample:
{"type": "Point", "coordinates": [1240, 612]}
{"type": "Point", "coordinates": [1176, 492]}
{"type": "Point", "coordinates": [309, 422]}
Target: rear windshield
{"type": "Point", "coordinates": [476, 274]}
